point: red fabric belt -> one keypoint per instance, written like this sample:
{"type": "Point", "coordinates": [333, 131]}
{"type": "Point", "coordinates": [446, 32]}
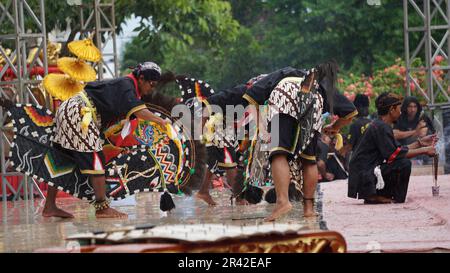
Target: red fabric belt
{"type": "Point", "coordinates": [394, 155]}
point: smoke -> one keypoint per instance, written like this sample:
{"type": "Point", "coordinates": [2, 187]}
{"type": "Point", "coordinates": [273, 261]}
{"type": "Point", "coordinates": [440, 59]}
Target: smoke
{"type": "Point", "coordinates": [443, 131]}
{"type": "Point", "coordinates": [443, 140]}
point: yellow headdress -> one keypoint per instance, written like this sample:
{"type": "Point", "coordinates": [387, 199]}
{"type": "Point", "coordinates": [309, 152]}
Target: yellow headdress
{"type": "Point", "coordinates": [62, 86]}
{"type": "Point", "coordinates": [77, 69]}
{"type": "Point", "coordinates": [86, 50]}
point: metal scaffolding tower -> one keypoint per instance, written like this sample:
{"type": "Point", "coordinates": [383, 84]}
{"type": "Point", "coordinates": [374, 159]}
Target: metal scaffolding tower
{"type": "Point", "coordinates": [433, 29]}
{"type": "Point", "coordinates": [26, 36]}
{"type": "Point", "coordinates": [428, 22]}
{"type": "Point", "coordinates": [102, 22]}
{"type": "Point", "coordinates": [28, 32]}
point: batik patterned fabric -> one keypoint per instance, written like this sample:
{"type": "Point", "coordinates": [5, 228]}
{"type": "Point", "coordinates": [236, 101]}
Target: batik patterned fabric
{"type": "Point", "coordinates": [296, 173]}
{"type": "Point", "coordinates": [259, 168]}
{"type": "Point", "coordinates": [33, 154]}
{"type": "Point", "coordinates": [223, 138]}
{"type": "Point", "coordinates": [306, 107]}
{"type": "Point", "coordinates": [260, 174]}
{"type": "Point", "coordinates": [69, 133]}
{"type": "Point", "coordinates": [285, 98]}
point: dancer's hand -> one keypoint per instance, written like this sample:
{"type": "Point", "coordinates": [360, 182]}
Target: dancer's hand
{"type": "Point", "coordinates": [430, 140]}
{"type": "Point", "coordinates": [430, 151]}
{"type": "Point", "coordinates": [419, 127]}
{"type": "Point", "coordinates": [330, 129]}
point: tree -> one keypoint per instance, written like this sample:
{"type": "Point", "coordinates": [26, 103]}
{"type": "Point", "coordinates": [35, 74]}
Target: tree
{"type": "Point", "coordinates": [307, 32]}
{"type": "Point", "coordinates": [278, 33]}
{"type": "Point", "coordinates": [176, 25]}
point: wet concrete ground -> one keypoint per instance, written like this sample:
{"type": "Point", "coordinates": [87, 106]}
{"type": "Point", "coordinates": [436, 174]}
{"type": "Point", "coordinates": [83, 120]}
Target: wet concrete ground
{"type": "Point", "coordinates": [421, 224]}
{"type": "Point", "coordinates": [23, 228]}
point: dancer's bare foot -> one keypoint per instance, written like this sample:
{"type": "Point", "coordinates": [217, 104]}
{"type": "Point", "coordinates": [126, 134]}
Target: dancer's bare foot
{"type": "Point", "coordinates": [110, 213]}
{"type": "Point", "coordinates": [206, 197]}
{"type": "Point", "coordinates": [56, 212]}
{"type": "Point", "coordinates": [280, 210]}
{"type": "Point", "coordinates": [307, 212]}
{"type": "Point", "coordinates": [308, 208]}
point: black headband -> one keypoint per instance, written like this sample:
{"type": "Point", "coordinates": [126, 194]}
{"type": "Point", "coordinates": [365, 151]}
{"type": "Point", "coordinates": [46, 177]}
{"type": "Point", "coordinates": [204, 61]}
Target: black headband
{"type": "Point", "coordinates": [149, 70]}
{"type": "Point", "coordinates": [388, 100]}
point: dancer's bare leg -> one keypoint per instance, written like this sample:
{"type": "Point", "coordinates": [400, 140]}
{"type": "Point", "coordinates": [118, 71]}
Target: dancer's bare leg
{"type": "Point", "coordinates": [236, 186]}
{"type": "Point", "coordinates": [281, 178]}
{"type": "Point", "coordinates": [99, 185]}
{"type": "Point", "coordinates": [203, 193]}
{"type": "Point", "coordinates": [50, 208]}
{"type": "Point", "coordinates": [310, 176]}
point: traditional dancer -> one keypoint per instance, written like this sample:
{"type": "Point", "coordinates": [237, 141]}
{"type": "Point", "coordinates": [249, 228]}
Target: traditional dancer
{"type": "Point", "coordinates": [105, 101]}
{"type": "Point", "coordinates": [222, 160]}
{"type": "Point", "coordinates": [72, 151]}
{"type": "Point", "coordinates": [234, 97]}
{"type": "Point", "coordinates": [221, 142]}
{"type": "Point", "coordinates": [297, 103]}
{"type": "Point", "coordinates": [378, 147]}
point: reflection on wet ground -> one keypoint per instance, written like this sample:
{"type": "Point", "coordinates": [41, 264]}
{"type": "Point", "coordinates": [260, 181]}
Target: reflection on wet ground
{"type": "Point", "coordinates": [23, 228]}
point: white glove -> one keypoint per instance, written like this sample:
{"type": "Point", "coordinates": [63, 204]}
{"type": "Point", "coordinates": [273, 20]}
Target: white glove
{"type": "Point", "coordinates": [380, 181]}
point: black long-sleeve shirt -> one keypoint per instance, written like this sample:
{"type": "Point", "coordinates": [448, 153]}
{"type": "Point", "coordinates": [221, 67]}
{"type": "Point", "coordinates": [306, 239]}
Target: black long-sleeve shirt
{"type": "Point", "coordinates": [114, 99]}
{"type": "Point", "coordinates": [377, 146]}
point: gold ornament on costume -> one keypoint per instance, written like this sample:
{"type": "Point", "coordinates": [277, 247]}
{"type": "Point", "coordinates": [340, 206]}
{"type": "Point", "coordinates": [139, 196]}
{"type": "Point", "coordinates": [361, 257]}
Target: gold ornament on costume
{"type": "Point", "coordinates": [77, 69]}
{"type": "Point", "coordinates": [7, 51]}
{"type": "Point", "coordinates": [339, 142]}
{"type": "Point", "coordinates": [62, 86]}
{"type": "Point", "coordinates": [211, 125]}
{"type": "Point", "coordinates": [86, 50]}
{"type": "Point", "coordinates": [53, 51]}
{"type": "Point", "coordinates": [33, 52]}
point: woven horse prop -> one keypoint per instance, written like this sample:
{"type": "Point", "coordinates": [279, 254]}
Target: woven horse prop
{"type": "Point", "coordinates": [151, 158]}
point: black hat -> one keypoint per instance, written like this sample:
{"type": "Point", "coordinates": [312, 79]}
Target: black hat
{"type": "Point", "coordinates": [361, 100]}
{"type": "Point", "coordinates": [150, 71]}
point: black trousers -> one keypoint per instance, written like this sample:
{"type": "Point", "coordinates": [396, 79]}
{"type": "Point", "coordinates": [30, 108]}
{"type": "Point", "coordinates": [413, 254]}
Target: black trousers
{"type": "Point", "coordinates": [396, 179]}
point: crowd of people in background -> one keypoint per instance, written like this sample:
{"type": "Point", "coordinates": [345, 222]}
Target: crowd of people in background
{"type": "Point", "coordinates": [412, 124]}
